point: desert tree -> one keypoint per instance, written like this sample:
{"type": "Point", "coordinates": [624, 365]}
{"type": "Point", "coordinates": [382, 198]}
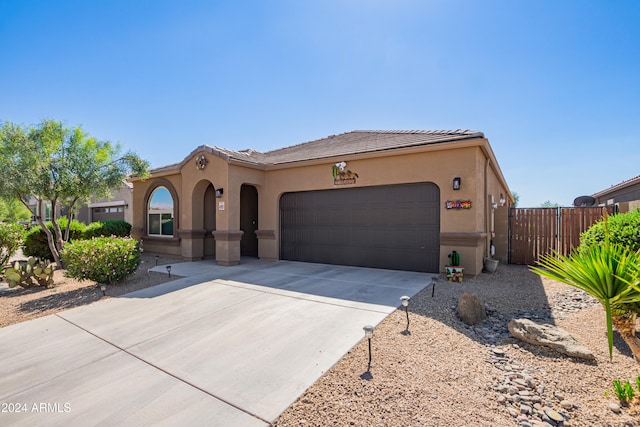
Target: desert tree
{"type": "Point", "coordinates": [63, 166]}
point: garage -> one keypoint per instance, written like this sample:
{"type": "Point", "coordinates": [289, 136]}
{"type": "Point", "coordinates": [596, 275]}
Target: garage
{"type": "Point", "coordinates": [393, 226]}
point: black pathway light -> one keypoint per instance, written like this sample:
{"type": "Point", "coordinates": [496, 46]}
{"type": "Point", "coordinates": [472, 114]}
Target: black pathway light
{"type": "Point", "coordinates": [405, 303]}
{"type": "Point", "coordinates": [368, 333]}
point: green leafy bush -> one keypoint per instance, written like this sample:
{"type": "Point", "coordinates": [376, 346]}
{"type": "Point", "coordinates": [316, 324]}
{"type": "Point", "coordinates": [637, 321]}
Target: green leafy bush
{"type": "Point", "coordinates": [35, 242]}
{"type": "Point", "coordinates": [36, 245]}
{"type": "Point", "coordinates": [102, 259]}
{"type": "Point", "coordinates": [11, 236]}
{"type": "Point", "coordinates": [111, 227]}
{"type": "Point", "coordinates": [622, 228]}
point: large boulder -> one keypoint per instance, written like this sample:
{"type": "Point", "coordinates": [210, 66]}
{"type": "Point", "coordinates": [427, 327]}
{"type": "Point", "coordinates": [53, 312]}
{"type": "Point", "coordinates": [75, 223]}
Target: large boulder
{"type": "Point", "coordinates": [471, 309]}
{"type": "Point", "coordinates": [549, 336]}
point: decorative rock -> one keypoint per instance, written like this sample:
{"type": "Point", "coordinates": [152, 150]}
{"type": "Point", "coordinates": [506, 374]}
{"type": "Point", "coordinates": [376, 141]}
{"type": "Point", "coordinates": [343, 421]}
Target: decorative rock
{"type": "Point", "coordinates": [525, 409]}
{"type": "Point", "coordinates": [554, 416]}
{"type": "Point", "coordinates": [548, 336]}
{"type": "Point", "coordinates": [471, 309]}
{"type": "Point", "coordinates": [497, 351]}
{"type": "Point", "coordinates": [566, 404]}
{"type": "Point", "coordinates": [615, 408]}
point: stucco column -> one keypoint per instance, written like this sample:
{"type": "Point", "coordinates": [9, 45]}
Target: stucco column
{"type": "Point", "coordinates": [192, 246]}
{"type": "Point", "coordinates": [227, 246]}
{"type": "Point", "coordinates": [267, 248]}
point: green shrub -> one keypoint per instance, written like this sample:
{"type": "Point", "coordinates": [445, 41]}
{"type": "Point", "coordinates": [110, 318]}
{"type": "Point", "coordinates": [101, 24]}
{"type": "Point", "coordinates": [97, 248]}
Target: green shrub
{"type": "Point", "coordinates": [11, 236]}
{"type": "Point", "coordinates": [102, 259]}
{"type": "Point", "coordinates": [111, 227]}
{"type": "Point", "coordinates": [35, 242]}
{"type": "Point", "coordinates": [36, 245]}
{"type": "Point", "coordinates": [622, 228]}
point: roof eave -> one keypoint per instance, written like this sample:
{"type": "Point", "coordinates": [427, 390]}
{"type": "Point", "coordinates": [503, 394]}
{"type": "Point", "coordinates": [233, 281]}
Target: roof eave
{"type": "Point", "coordinates": [617, 187]}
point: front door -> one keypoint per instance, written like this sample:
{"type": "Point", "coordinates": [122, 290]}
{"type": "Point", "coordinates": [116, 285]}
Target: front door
{"type": "Point", "coordinates": [249, 220]}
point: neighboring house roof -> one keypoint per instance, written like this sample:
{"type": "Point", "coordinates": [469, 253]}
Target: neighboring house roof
{"type": "Point", "coordinates": [355, 142]}
{"type": "Point", "coordinates": [617, 187]}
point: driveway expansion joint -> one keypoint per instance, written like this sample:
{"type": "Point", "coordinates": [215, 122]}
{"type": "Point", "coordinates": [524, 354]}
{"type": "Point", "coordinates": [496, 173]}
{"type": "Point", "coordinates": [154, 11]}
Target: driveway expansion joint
{"type": "Point", "coordinates": [164, 371]}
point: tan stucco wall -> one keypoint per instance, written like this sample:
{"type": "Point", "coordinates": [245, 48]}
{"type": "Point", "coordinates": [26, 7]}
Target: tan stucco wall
{"type": "Point", "coordinates": [141, 191]}
{"type": "Point", "coordinates": [467, 231]}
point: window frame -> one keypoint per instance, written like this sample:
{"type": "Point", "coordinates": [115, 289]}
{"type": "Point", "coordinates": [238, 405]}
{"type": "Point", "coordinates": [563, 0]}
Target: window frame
{"type": "Point", "coordinates": [165, 215]}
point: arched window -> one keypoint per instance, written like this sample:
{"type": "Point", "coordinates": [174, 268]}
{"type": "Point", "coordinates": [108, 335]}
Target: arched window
{"type": "Point", "coordinates": [160, 213]}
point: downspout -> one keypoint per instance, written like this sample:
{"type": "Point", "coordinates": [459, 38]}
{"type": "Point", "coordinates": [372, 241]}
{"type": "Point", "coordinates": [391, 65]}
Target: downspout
{"type": "Point", "coordinates": [487, 206]}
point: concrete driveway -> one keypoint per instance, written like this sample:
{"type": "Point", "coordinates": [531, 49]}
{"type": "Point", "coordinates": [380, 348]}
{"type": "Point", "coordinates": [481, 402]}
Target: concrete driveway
{"type": "Point", "coordinates": [223, 346]}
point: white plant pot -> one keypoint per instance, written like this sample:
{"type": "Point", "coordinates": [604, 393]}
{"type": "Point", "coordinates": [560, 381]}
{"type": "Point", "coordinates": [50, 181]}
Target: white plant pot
{"type": "Point", "coordinates": [490, 265]}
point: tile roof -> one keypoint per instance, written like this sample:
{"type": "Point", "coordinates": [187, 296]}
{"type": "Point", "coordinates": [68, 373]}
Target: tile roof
{"type": "Point", "coordinates": [364, 141]}
{"type": "Point", "coordinates": [354, 142]}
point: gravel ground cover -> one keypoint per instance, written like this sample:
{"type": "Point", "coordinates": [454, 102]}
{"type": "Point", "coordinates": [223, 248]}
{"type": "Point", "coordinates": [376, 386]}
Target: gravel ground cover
{"type": "Point", "coordinates": [440, 372]}
{"type": "Point", "coordinates": [445, 373]}
{"type": "Point", "coordinates": [18, 304]}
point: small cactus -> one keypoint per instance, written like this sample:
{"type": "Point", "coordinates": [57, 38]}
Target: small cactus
{"type": "Point", "coordinates": [33, 272]}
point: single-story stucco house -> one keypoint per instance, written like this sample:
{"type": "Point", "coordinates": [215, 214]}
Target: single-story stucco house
{"type": "Point", "coordinates": [625, 195]}
{"type": "Point", "coordinates": [115, 207]}
{"type": "Point", "coordinates": [118, 206]}
{"type": "Point", "coordinates": [387, 199]}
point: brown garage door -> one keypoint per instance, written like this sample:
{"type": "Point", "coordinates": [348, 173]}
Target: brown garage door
{"type": "Point", "coordinates": [392, 226]}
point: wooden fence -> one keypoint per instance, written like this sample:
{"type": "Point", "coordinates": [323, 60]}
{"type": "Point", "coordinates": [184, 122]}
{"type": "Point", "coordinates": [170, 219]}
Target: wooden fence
{"type": "Point", "coordinates": [538, 231]}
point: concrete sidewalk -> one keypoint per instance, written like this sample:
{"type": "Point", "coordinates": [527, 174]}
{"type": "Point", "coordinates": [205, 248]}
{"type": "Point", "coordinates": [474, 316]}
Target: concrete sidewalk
{"type": "Point", "coordinates": [222, 346]}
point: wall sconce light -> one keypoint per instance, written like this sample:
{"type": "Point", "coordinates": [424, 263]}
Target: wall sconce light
{"type": "Point", "coordinates": [457, 182]}
{"type": "Point", "coordinates": [405, 303]}
{"type": "Point", "coordinates": [502, 200]}
{"type": "Point", "coordinates": [103, 288]}
{"type": "Point", "coordinates": [169, 270]}
{"type": "Point", "coordinates": [219, 192]}
{"type": "Point", "coordinates": [368, 333]}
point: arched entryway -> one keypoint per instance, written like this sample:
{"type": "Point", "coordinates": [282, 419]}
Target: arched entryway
{"type": "Point", "coordinates": [249, 220]}
{"type": "Point", "coordinates": [196, 237]}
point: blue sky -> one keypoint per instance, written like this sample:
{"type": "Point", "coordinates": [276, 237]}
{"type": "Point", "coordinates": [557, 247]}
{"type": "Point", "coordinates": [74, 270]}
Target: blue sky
{"type": "Point", "coordinates": [554, 85]}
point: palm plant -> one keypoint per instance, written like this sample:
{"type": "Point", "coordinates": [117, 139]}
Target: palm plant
{"type": "Point", "coordinates": [608, 272]}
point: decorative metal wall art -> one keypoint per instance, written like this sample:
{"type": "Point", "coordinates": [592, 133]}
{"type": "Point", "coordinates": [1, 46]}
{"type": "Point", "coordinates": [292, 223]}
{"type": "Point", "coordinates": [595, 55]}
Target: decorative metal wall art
{"type": "Point", "coordinates": [458, 204]}
{"type": "Point", "coordinates": [201, 162]}
{"type": "Point", "coordinates": [342, 176]}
